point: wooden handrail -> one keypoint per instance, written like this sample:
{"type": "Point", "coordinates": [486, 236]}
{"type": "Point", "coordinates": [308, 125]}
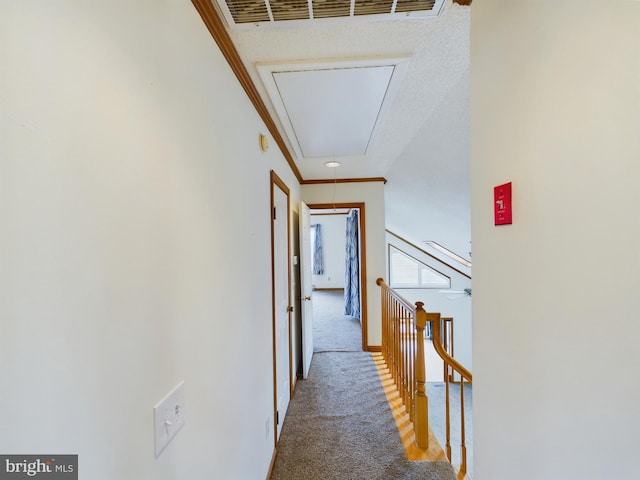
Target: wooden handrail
{"type": "Point", "coordinates": [435, 320]}
{"type": "Point", "coordinates": [396, 295]}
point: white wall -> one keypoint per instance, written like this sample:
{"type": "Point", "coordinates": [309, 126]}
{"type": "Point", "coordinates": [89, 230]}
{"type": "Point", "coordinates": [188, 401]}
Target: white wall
{"type": "Point", "coordinates": [555, 95]}
{"type": "Point", "coordinates": [134, 242]}
{"type": "Point", "coordinates": [372, 194]}
{"type": "Point", "coordinates": [456, 306]}
{"type": "Point", "coordinates": [333, 233]}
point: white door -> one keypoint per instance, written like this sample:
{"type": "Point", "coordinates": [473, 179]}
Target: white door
{"type": "Point", "coordinates": [305, 284]}
{"type": "Point", "coordinates": [281, 289]}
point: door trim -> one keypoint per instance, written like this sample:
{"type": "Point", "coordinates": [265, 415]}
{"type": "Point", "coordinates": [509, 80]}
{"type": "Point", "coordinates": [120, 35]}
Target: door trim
{"type": "Point", "coordinates": [363, 263]}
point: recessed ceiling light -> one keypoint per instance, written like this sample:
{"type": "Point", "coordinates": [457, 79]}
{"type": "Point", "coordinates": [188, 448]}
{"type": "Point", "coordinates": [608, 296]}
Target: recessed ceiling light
{"type": "Point", "coordinates": [332, 164]}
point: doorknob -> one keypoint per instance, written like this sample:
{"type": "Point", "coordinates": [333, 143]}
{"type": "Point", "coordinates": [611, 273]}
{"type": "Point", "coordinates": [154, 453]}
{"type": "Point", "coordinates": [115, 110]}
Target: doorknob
{"type": "Point", "coordinates": [289, 309]}
{"type": "Point", "coordinates": [308, 297]}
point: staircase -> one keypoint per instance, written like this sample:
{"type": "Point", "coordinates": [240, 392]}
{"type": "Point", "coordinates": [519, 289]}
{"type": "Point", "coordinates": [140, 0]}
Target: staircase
{"type": "Point", "coordinates": [403, 352]}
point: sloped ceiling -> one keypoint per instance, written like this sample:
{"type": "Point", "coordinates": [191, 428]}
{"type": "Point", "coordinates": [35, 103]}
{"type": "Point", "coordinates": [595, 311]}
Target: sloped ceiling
{"type": "Point", "coordinates": [428, 193]}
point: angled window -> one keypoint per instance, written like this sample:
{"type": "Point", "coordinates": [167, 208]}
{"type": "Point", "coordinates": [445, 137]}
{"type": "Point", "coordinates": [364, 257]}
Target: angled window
{"type": "Point", "coordinates": [408, 272]}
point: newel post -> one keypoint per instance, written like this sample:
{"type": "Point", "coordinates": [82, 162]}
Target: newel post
{"type": "Point", "coordinates": [421, 422]}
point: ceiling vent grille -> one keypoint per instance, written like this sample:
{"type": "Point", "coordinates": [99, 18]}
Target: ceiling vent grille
{"type": "Point", "coordinates": [243, 12]}
{"type": "Point", "coordinates": [362, 7]}
{"type": "Point", "coordinates": [331, 8]}
{"type": "Point", "coordinates": [248, 11]}
{"type": "Point", "coordinates": [289, 9]}
{"type": "Point", "coordinates": [414, 5]}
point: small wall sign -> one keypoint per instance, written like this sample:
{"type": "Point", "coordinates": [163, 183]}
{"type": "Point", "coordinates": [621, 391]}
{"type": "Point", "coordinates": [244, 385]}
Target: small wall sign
{"type": "Point", "coordinates": [502, 204]}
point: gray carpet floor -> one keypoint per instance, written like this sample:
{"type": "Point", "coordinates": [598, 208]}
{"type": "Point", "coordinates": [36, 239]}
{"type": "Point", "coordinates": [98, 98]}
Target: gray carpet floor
{"type": "Point", "coordinates": [339, 425]}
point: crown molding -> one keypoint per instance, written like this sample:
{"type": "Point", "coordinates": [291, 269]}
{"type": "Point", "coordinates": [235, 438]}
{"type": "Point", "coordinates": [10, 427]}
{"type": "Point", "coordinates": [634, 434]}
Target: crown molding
{"type": "Point", "coordinates": [216, 26]}
{"type": "Point", "coordinates": [343, 180]}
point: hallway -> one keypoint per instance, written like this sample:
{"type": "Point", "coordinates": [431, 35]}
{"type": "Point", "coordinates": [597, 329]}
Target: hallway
{"type": "Point", "coordinates": [339, 425]}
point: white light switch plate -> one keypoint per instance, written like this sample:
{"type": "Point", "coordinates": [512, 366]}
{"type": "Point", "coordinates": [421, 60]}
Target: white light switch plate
{"type": "Point", "coordinates": [168, 417]}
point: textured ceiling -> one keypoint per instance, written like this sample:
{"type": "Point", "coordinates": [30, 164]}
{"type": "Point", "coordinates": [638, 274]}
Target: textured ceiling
{"type": "Point", "coordinates": [439, 56]}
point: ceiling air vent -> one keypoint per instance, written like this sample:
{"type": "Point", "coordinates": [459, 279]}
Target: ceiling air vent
{"type": "Point", "coordinates": [414, 5]}
{"type": "Point", "coordinates": [331, 8]}
{"type": "Point", "coordinates": [363, 7]}
{"type": "Point", "coordinates": [289, 9]}
{"type": "Point", "coordinates": [250, 12]}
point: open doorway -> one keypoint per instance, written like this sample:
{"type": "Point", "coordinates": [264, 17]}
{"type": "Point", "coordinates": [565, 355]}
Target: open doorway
{"type": "Point", "coordinates": [339, 266]}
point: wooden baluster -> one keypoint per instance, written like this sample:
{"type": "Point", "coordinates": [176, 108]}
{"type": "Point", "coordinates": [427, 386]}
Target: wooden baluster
{"type": "Point", "coordinates": [399, 350]}
{"type": "Point", "coordinates": [390, 338]}
{"type": "Point", "coordinates": [412, 359]}
{"type": "Point", "coordinates": [384, 321]}
{"type": "Point", "coordinates": [396, 353]}
{"type": "Point", "coordinates": [407, 358]}
{"type": "Point", "coordinates": [447, 339]}
{"type": "Point", "coordinates": [421, 423]}
{"type": "Point", "coordinates": [390, 332]}
{"type": "Point", "coordinates": [394, 337]}
{"type": "Point", "coordinates": [447, 404]}
{"type": "Point", "coordinates": [463, 443]}
{"type": "Point", "coordinates": [386, 347]}
{"type": "Point", "coordinates": [396, 316]}
{"type": "Point", "coordinates": [405, 362]}
{"type": "Point", "coordinates": [436, 335]}
{"type": "Point", "coordinates": [445, 342]}
{"type": "Point", "coordinates": [403, 386]}
{"type": "Point", "coordinates": [412, 356]}
{"type": "Point", "coordinates": [392, 345]}
{"type": "Point", "coordinates": [450, 351]}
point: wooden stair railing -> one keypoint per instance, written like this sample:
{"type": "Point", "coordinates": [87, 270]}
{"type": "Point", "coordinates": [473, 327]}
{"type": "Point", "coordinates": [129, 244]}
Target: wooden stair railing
{"type": "Point", "coordinates": [403, 324]}
{"type": "Point", "coordinates": [404, 356]}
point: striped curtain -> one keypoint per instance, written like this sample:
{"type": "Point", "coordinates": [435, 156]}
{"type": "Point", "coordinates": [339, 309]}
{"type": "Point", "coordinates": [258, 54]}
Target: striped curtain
{"type": "Point", "coordinates": [352, 267]}
{"type": "Point", "coordinates": [318, 256]}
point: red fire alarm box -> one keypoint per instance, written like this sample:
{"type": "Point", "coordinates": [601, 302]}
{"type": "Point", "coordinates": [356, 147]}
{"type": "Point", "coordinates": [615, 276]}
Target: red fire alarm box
{"type": "Point", "coordinates": [502, 204]}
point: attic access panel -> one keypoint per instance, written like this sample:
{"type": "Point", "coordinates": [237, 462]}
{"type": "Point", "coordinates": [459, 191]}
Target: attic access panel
{"type": "Point", "coordinates": [332, 109]}
{"type": "Point", "coordinates": [333, 112]}
{"type": "Point", "coordinates": [251, 12]}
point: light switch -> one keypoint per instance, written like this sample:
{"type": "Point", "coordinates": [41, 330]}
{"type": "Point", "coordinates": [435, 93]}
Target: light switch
{"type": "Point", "coordinates": [168, 417]}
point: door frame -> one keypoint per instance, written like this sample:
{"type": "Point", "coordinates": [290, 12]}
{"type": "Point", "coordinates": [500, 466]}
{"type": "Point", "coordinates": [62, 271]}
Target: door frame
{"type": "Point", "coordinates": [276, 182]}
{"type": "Point", "coordinates": [363, 262]}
